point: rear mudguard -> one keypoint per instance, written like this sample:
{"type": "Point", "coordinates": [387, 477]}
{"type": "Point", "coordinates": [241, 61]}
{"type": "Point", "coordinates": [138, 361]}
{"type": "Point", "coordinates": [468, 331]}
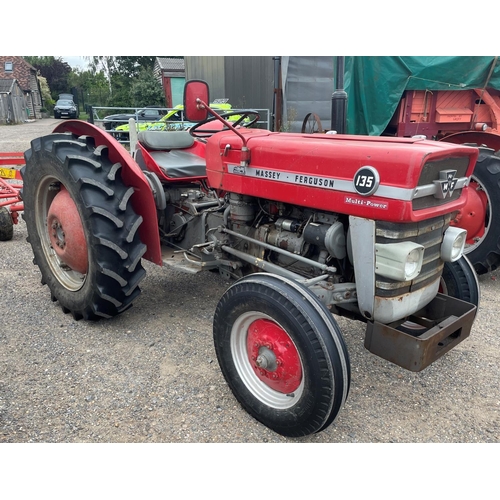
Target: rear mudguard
{"type": "Point", "coordinates": [142, 199]}
{"type": "Point", "coordinates": [490, 139]}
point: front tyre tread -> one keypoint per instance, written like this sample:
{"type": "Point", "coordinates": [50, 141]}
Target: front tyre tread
{"type": "Point", "coordinates": [314, 332]}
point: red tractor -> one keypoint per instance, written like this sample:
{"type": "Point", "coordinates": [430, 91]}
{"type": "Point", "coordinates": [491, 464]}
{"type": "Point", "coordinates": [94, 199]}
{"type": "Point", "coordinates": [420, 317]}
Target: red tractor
{"type": "Point", "coordinates": [308, 225]}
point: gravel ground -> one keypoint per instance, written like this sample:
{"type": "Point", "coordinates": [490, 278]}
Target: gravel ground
{"type": "Point", "coordinates": [151, 375]}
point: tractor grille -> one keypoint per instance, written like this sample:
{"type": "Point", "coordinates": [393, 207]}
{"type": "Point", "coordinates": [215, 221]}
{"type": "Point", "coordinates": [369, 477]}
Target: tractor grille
{"type": "Point", "coordinates": [430, 173]}
{"type": "Point", "coordinates": [427, 233]}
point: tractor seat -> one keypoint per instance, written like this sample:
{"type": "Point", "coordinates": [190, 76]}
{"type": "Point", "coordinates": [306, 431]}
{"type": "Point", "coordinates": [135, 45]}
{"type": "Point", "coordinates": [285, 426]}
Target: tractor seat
{"type": "Point", "coordinates": [165, 148]}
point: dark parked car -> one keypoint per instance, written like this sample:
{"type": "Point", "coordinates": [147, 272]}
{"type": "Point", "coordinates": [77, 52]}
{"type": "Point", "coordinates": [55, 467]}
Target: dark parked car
{"type": "Point", "coordinates": [148, 114]}
{"type": "Point", "coordinates": [65, 108]}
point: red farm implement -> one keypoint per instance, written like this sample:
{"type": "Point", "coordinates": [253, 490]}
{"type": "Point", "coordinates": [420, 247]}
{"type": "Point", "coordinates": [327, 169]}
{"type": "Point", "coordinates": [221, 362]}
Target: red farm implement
{"type": "Point", "coordinates": [10, 199]}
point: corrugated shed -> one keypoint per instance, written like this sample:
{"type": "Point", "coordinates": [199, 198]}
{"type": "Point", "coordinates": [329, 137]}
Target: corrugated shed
{"type": "Point", "coordinates": [210, 69]}
{"type": "Point", "coordinates": [247, 81]}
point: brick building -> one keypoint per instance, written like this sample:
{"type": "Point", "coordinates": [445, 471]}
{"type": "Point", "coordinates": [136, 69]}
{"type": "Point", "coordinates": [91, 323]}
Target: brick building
{"type": "Point", "coordinates": [16, 68]}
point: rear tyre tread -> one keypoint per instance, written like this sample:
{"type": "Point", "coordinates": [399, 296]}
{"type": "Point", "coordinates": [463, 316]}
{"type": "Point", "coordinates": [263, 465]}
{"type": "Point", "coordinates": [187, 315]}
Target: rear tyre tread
{"type": "Point", "coordinates": [110, 223]}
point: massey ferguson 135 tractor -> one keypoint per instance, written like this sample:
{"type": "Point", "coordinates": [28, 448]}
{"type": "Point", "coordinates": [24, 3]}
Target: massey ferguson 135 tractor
{"type": "Point", "coordinates": [308, 225]}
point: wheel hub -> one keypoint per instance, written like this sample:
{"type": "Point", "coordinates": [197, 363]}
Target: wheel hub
{"type": "Point", "coordinates": [66, 233]}
{"type": "Point", "coordinates": [266, 359]}
{"type": "Point", "coordinates": [273, 356]}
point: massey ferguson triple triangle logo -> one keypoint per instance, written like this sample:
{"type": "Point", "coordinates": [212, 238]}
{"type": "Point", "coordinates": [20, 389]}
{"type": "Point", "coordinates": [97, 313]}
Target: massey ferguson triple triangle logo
{"type": "Point", "coordinates": [446, 184]}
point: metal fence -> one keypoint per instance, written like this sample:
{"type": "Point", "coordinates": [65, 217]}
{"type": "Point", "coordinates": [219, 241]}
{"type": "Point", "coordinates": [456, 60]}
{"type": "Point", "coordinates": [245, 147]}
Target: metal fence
{"type": "Point", "coordinates": [106, 118]}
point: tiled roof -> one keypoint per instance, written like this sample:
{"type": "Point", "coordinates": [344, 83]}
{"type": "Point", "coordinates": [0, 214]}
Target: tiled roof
{"type": "Point", "coordinates": [170, 63]}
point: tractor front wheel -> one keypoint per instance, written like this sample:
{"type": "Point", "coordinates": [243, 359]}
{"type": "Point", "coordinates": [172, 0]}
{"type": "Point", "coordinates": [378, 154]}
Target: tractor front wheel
{"type": "Point", "coordinates": [459, 280]}
{"type": "Point", "coordinates": [282, 354]}
{"type": "Point", "coordinates": [81, 226]}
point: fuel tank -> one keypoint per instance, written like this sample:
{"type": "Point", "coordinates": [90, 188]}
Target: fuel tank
{"type": "Point", "coordinates": [393, 179]}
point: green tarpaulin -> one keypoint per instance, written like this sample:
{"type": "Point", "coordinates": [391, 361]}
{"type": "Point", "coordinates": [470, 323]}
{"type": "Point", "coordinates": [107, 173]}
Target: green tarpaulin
{"type": "Point", "coordinates": [375, 84]}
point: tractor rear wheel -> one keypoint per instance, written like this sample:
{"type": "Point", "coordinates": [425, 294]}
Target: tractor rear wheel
{"type": "Point", "coordinates": [481, 216]}
{"type": "Point", "coordinates": [81, 226]}
{"type": "Point", "coordinates": [282, 354]}
{"type": "Point", "coordinates": [6, 225]}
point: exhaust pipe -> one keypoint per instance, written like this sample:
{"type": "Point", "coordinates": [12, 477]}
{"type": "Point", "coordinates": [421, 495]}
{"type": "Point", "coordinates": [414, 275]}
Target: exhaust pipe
{"type": "Point", "coordinates": [339, 99]}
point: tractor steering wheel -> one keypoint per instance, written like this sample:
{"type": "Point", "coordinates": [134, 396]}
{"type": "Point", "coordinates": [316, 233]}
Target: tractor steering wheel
{"type": "Point", "coordinates": [243, 114]}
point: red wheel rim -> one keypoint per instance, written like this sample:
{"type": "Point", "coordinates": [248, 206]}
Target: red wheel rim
{"type": "Point", "coordinates": [473, 216]}
{"type": "Point", "coordinates": [66, 233]}
{"type": "Point", "coordinates": [273, 356]}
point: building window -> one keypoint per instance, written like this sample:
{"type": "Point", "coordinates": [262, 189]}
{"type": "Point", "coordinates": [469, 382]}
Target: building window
{"type": "Point", "coordinates": [9, 66]}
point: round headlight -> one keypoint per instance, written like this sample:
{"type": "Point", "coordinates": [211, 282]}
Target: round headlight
{"type": "Point", "coordinates": [399, 261]}
{"type": "Point", "coordinates": [413, 263]}
{"type": "Point", "coordinates": [453, 244]}
{"type": "Point", "coordinates": [458, 246]}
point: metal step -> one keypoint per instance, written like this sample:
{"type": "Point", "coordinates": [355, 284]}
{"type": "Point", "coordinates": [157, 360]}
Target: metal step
{"type": "Point", "coordinates": [178, 260]}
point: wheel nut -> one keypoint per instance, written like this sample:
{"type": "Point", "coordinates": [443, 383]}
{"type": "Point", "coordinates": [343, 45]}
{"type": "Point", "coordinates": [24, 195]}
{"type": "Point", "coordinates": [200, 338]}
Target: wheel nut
{"type": "Point", "coordinates": [261, 361]}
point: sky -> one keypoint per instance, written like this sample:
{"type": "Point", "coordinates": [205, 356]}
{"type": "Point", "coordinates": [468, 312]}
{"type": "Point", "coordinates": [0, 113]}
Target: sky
{"type": "Point", "coordinates": [75, 61]}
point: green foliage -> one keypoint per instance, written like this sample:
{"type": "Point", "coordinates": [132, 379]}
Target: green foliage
{"type": "Point", "coordinates": [127, 66]}
{"type": "Point", "coordinates": [132, 66]}
{"type": "Point", "coordinates": [117, 81]}
{"type": "Point", "coordinates": [46, 96]}
{"type": "Point", "coordinates": [146, 90]}
{"type": "Point", "coordinates": [120, 85]}
{"type": "Point", "coordinates": [93, 87]}
{"type": "Point", "coordinates": [55, 70]}
{"type": "Point", "coordinates": [128, 87]}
